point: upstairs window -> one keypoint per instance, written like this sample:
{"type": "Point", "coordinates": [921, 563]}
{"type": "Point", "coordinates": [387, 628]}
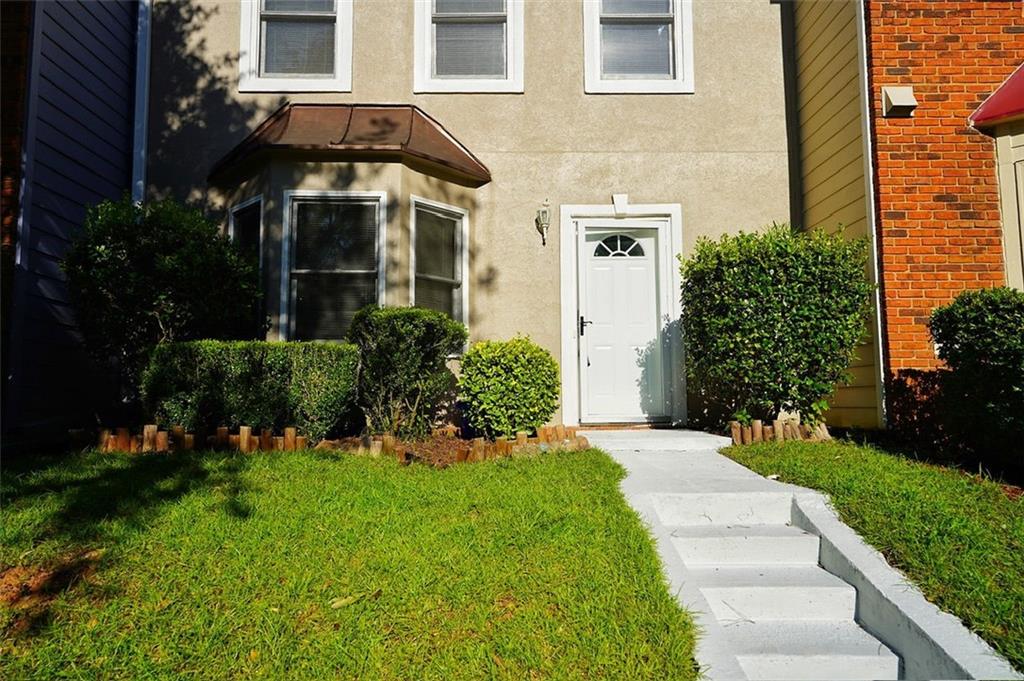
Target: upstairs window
{"type": "Point", "coordinates": [333, 261]}
{"type": "Point", "coordinates": [639, 46]}
{"type": "Point", "coordinates": [469, 46]}
{"type": "Point", "coordinates": [296, 46]}
{"type": "Point", "coordinates": [439, 259]}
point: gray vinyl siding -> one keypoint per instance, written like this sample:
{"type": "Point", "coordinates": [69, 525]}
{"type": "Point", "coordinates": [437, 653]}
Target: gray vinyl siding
{"type": "Point", "coordinates": [77, 152]}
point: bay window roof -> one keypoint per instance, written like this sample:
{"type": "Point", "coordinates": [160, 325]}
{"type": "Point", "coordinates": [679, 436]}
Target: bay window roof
{"type": "Point", "coordinates": [360, 132]}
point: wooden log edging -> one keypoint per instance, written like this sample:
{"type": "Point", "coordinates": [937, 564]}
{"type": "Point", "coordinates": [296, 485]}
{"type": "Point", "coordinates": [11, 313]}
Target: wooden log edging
{"type": "Point", "coordinates": [151, 439]}
{"type": "Point", "coordinates": [778, 431]}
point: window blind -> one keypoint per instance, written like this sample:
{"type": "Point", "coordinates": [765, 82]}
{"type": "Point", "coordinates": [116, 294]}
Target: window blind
{"type": "Point", "coordinates": [636, 39]}
{"type": "Point", "coordinates": [334, 271]}
{"type": "Point", "coordinates": [470, 38]}
{"type": "Point", "coordinates": [438, 262]}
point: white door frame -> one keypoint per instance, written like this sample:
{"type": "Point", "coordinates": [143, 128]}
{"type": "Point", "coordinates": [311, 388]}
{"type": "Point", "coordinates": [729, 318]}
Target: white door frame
{"type": "Point", "coordinates": [667, 218]}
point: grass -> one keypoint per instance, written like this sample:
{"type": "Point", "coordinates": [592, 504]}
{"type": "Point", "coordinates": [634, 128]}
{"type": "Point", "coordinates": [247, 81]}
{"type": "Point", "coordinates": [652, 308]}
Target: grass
{"type": "Point", "coordinates": [312, 565]}
{"type": "Point", "coordinates": [960, 538]}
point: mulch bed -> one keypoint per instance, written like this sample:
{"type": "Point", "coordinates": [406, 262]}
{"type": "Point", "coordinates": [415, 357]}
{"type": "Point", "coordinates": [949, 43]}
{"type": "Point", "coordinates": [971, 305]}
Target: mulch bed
{"type": "Point", "coordinates": [438, 450]}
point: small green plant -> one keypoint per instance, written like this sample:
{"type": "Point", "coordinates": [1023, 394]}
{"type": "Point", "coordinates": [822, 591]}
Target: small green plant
{"type": "Point", "coordinates": [980, 336]}
{"type": "Point", "coordinates": [204, 384]}
{"type": "Point", "coordinates": [404, 380]}
{"type": "Point", "coordinates": [143, 274]}
{"type": "Point", "coordinates": [508, 386]}
{"type": "Point", "coordinates": [771, 319]}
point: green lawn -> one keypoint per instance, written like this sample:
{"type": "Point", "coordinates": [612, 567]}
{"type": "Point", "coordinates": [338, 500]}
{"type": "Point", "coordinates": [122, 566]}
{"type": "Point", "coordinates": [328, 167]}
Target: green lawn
{"type": "Point", "coordinates": [313, 565]}
{"type": "Point", "coordinates": [959, 538]}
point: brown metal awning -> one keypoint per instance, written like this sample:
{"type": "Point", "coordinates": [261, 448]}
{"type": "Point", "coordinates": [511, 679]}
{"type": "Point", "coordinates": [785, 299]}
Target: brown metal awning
{"type": "Point", "coordinates": [353, 132]}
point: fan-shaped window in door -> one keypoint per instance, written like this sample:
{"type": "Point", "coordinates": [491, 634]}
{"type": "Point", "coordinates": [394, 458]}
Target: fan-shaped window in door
{"type": "Point", "coordinates": [618, 246]}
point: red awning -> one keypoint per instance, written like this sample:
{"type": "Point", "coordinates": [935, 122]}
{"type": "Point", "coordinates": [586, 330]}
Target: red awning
{"type": "Point", "coordinates": [360, 132]}
{"type": "Point", "coordinates": [1006, 103]}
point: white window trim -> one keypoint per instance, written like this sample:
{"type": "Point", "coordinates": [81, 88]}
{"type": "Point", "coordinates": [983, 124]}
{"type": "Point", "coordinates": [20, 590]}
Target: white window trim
{"type": "Point", "coordinates": [241, 206]}
{"type": "Point", "coordinates": [249, 79]}
{"type": "Point", "coordinates": [423, 42]}
{"type": "Point", "coordinates": [287, 320]}
{"type": "Point", "coordinates": [682, 35]}
{"type": "Point", "coordinates": [669, 219]}
{"type": "Point", "coordinates": [462, 246]}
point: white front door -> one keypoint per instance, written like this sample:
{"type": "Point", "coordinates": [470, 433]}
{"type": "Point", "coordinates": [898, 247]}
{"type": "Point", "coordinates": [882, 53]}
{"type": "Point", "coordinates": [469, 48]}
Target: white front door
{"type": "Point", "coordinates": [621, 339]}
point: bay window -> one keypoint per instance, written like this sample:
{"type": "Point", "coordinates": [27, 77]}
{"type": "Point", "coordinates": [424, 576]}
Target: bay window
{"type": "Point", "coordinates": [333, 261]}
{"type": "Point", "coordinates": [438, 259]}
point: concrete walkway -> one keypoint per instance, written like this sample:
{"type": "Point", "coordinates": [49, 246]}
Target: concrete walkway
{"type": "Point", "coordinates": [765, 608]}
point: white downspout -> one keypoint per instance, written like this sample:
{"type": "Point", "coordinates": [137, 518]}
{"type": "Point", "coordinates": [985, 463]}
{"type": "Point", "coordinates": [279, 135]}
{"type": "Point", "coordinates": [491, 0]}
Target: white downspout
{"type": "Point", "coordinates": [142, 53]}
{"type": "Point", "coordinates": [874, 267]}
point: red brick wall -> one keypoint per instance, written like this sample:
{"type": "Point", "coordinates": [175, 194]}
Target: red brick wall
{"type": "Point", "coordinates": [938, 209]}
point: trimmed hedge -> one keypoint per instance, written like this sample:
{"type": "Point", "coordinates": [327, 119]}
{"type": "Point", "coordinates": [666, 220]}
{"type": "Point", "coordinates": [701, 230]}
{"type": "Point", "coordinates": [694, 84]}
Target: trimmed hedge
{"type": "Point", "coordinates": [771, 320]}
{"type": "Point", "coordinates": [508, 386]}
{"type": "Point", "coordinates": [205, 384]}
{"type": "Point", "coordinates": [404, 380]}
{"type": "Point", "coordinates": [980, 336]}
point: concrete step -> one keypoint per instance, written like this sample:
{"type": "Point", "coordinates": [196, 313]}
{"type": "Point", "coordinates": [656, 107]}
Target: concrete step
{"type": "Point", "coordinates": [721, 545]}
{"type": "Point", "coordinates": [724, 508]}
{"type": "Point", "coordinates": [774, 593]}
{"type": "Point", "coordinates": [810, 650]}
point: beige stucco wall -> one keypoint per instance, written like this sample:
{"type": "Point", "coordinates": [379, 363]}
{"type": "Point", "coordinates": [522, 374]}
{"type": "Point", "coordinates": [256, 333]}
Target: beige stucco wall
{"type": "Point", "coordinates": [720, 152]}
{"type": "Point", "coordinates": [830, 109]}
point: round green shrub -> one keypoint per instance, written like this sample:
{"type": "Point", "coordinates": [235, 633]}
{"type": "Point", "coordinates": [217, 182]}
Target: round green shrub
{"type": "Point", "coordinates": [143, 274]}
{"type": "Point", "coordinates": [508, 386]}
{"type": "Point", "coordinates": [771, 320]}
{"type": "Point", "coordinates": [404, 380]}
{"type": "Point", "coordinates": [980, 336]}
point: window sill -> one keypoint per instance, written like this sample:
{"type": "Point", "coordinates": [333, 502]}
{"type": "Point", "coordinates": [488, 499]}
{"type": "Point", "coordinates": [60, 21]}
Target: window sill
{"type": "Point", "coordinates": [294, 85]}
{"type": "Point", "coordinates": [638, 87]}
{"type": "Point", "coordinates": [468, 86]}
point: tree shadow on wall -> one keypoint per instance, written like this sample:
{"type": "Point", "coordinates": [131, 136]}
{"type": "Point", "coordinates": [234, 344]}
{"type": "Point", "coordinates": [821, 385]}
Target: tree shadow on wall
{"type": "Point", "coordinates": [195, 115]}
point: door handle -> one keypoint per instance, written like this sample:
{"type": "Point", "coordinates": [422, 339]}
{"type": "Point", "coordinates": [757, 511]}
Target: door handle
{"type": "Point", "coordinates": [583, 324]}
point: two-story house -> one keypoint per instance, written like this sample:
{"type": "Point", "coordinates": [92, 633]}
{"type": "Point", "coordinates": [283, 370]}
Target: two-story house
{"type": "Point", "coordinates": [526, 166]}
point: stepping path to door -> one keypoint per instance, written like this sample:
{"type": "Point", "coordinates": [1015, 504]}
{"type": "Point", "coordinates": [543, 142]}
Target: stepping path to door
{"type": "Point", "coordinates": [765, 608]}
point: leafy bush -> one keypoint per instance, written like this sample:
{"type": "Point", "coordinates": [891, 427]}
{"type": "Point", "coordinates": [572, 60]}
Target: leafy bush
{"type": "Point", "coordinates": [204, 384]}
{"type": "Point", "coordinates": [980, 336]}
{"type": "Point", "coordinates": [404, 381]}
{"type": "Point", "coordinates": [508, 386]}
{"type": "Point", "coordinates": [139, 275]}
{"type": "Point", "coordinates": [771, 320]}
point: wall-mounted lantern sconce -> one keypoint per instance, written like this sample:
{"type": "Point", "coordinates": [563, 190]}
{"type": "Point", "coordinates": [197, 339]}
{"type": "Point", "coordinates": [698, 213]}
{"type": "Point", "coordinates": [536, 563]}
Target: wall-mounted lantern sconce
{"type": "Point", "coordinates": [543, 221]}
{"type": "Point", "coordinates": [898, 101]}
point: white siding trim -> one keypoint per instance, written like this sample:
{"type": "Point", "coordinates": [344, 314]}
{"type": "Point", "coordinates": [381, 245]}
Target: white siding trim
{"type": "Point", "coordinates": [249, 79]}
{"type": "Point", "coordinates": [669, 219]}
{"type": "Point", "coordinates": [142, 54]}
{"type": "Point", "coordinates": [286, 321]}
{"type": "Point", "coordinates": [423, 47]}
{"type": "Point", "coordinates": [682, 48]}
{"type": "Point", "coordinates": [462, 245]}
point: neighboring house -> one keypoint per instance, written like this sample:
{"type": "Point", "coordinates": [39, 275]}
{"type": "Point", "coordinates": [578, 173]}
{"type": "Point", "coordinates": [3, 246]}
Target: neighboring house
{"type": "Point", "coordinates": [68, 116]}
{"type": "Point", "coordinates": [630, 127]}
{"type": "Point", "coordinates": [885, 93]}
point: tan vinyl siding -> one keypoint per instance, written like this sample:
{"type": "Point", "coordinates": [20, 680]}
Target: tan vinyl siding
{"type": "Point", "coordinates": [832, 163]}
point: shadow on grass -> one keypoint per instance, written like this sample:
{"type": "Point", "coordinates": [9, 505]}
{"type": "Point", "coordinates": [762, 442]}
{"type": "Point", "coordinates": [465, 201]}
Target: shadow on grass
{"type": "Point", "coordinates": [90, 502]}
